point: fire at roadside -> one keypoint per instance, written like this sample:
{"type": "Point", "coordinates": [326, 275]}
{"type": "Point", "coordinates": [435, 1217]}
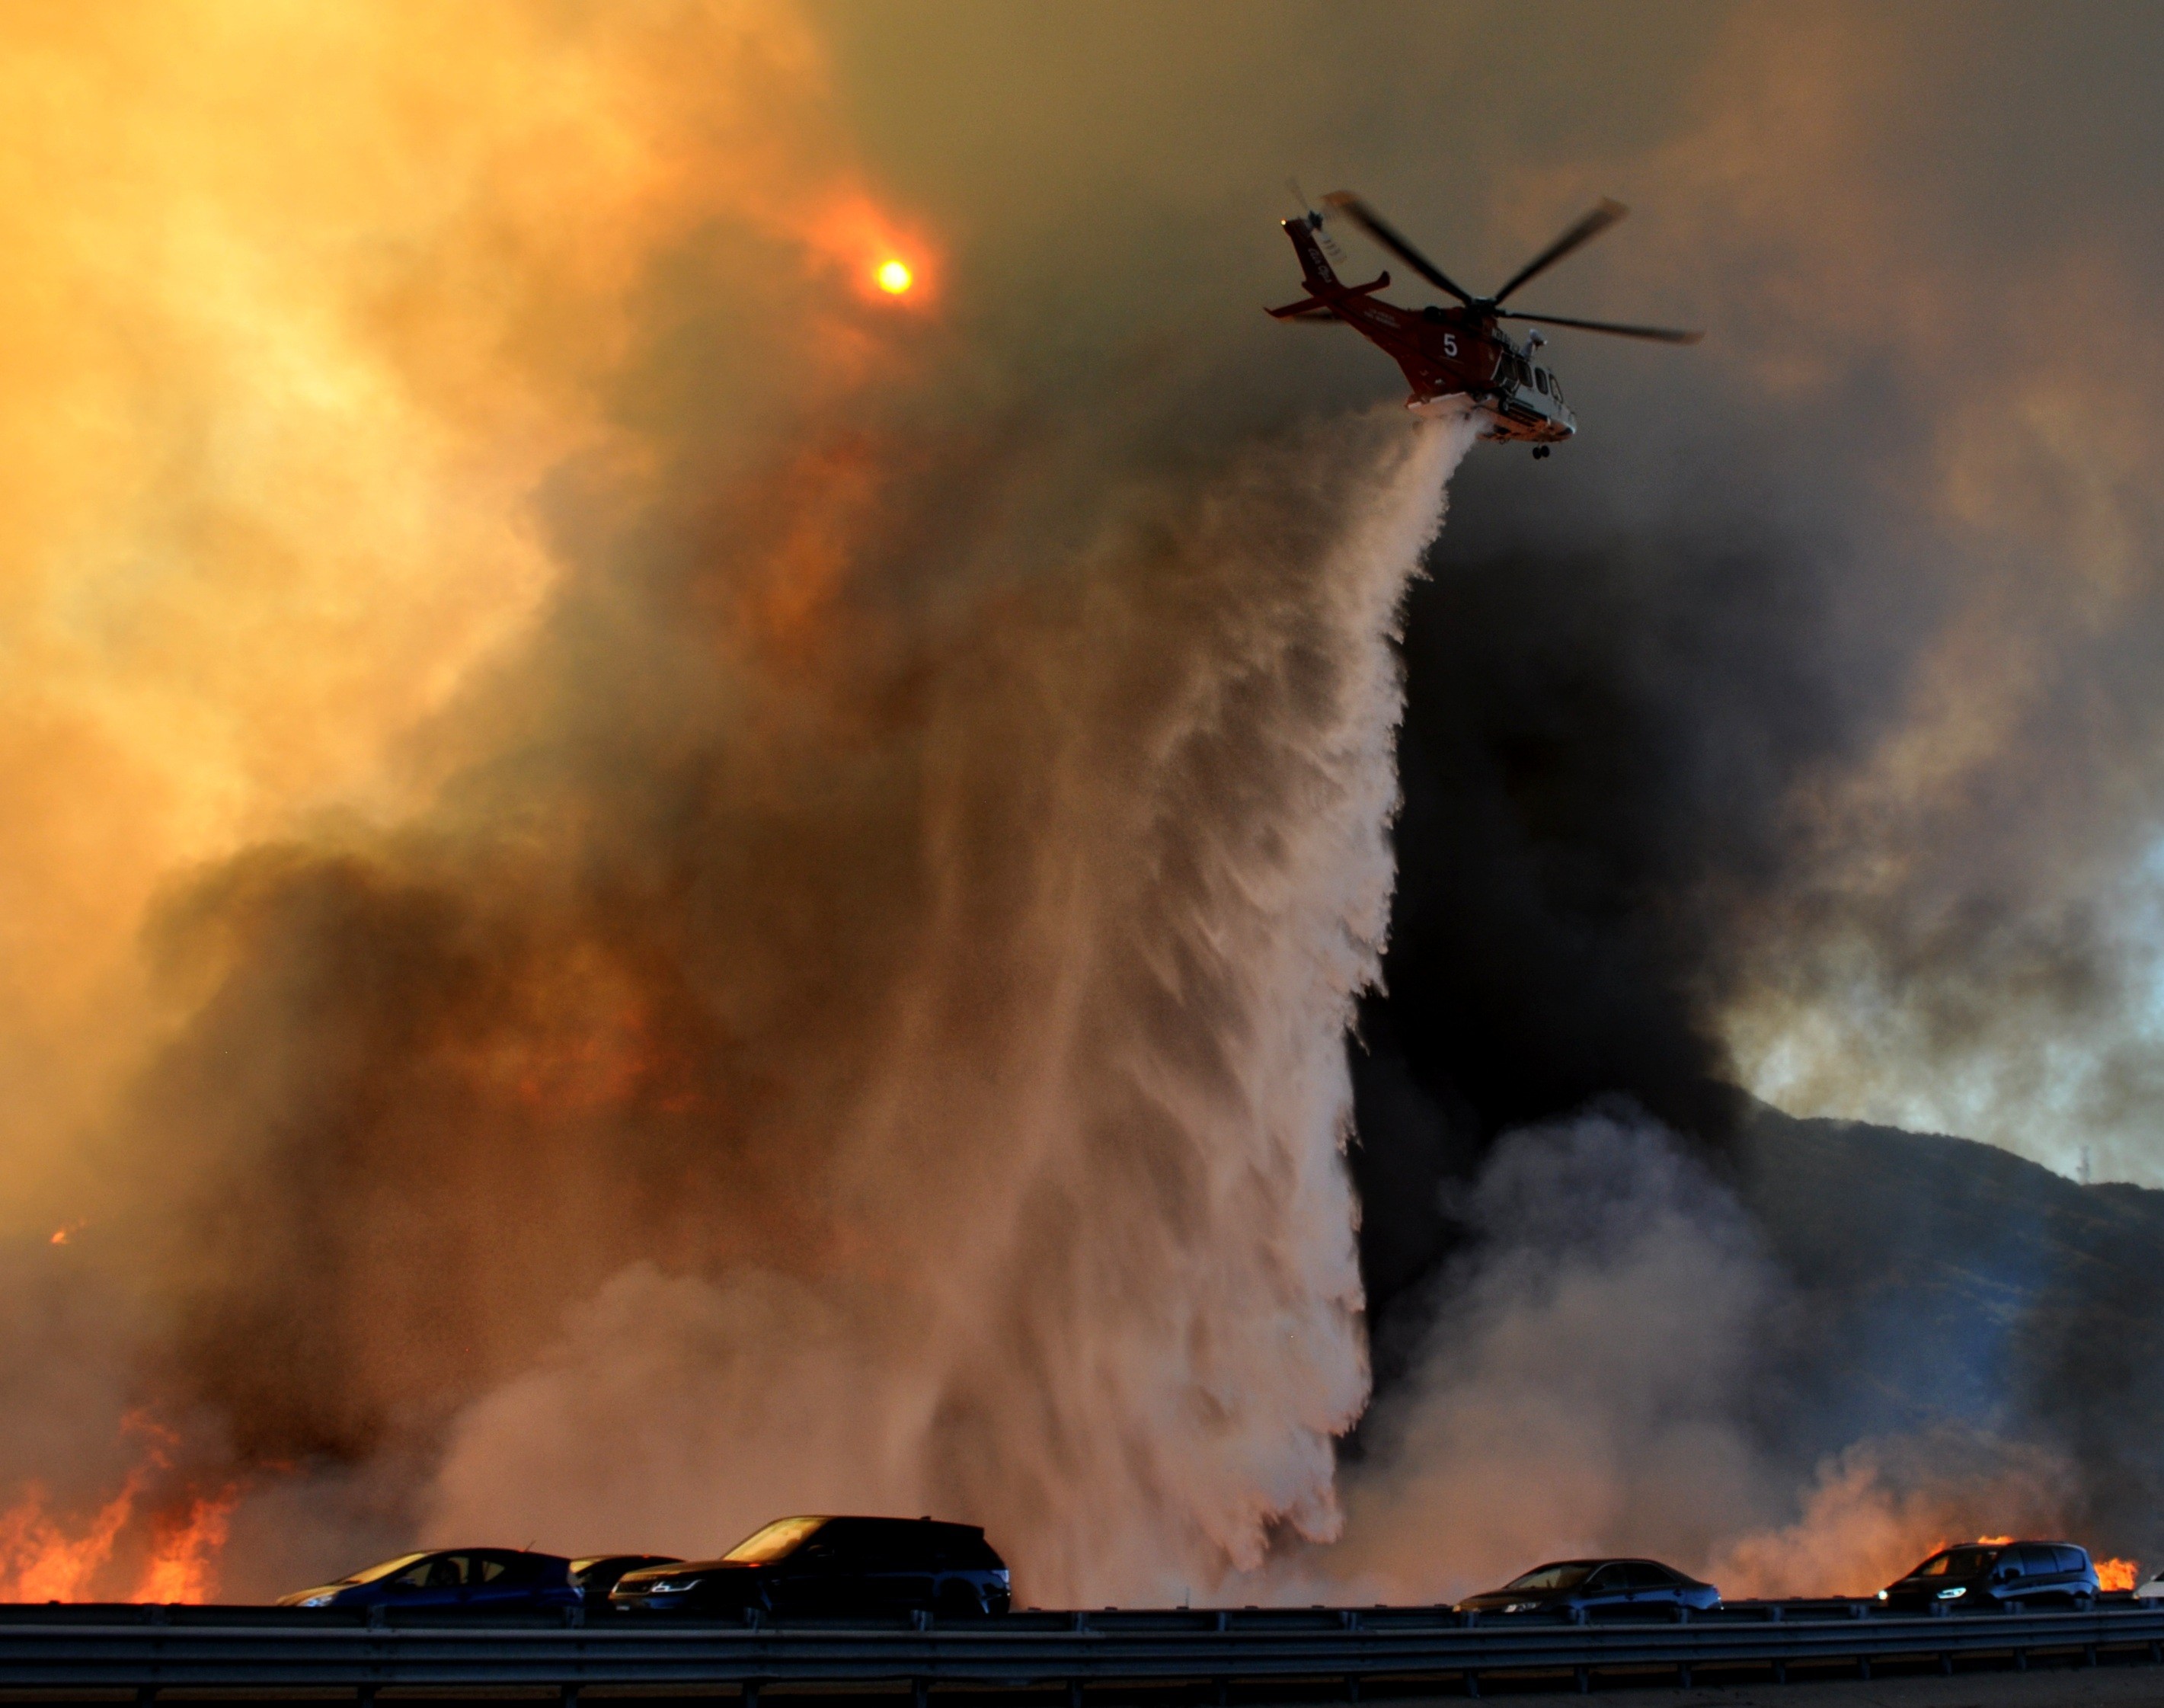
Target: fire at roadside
{"type": "Point", "coordinates": [157, 1538]}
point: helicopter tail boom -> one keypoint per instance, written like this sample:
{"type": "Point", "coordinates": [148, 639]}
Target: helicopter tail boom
{"type": "Point", "coordinates": [1314, 265]}
{"type": "Point", "coordinates": [1325, 289]}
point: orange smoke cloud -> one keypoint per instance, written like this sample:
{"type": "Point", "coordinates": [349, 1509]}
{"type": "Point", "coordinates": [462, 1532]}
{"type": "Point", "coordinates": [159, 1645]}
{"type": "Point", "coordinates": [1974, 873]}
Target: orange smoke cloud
{"type": "Point", "coordinates": [1864, 1524]}
{"type": "Point", "coordinates": [301, 309]}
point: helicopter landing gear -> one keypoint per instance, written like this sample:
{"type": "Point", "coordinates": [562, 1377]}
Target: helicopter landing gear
{"type": "Point", "coordinates": [1540, 451]}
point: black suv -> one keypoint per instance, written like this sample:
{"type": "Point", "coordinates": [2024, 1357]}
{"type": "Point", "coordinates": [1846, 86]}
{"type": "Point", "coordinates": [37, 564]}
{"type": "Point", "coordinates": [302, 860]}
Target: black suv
{"type": "Point", "coordinates": [832, 1566]}
{"type": "Point", "coordinates": [1989, 1574]}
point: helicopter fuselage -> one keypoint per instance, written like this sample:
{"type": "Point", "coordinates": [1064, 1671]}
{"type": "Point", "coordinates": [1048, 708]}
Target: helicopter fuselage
{"type": "Point", "coordinates": [1450, 357]}
{"type": "Point", "coordinates": [1447, 354]}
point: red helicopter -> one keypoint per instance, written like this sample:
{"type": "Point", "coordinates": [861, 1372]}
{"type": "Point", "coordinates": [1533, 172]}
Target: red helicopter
{"type": "Point", "coordinates": [1461, 353]}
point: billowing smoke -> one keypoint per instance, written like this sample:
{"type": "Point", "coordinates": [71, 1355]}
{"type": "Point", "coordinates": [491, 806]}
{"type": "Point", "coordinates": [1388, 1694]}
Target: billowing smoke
{"type": "Point", "coordinates": [916, 1062]}
{"type": "Point", "coordinates": [1616, 1360]}
{"type": "Point", "coordinates": [847, 1009]}
{"type": "Point", "coordinates": [1064, 1240]}
{"type": "Point", "coordinates": [648, 886]}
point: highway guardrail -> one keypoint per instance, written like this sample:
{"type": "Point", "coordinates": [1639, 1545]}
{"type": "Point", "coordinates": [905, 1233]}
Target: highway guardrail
{"type": "Point", "coordinates": [145, 1650]}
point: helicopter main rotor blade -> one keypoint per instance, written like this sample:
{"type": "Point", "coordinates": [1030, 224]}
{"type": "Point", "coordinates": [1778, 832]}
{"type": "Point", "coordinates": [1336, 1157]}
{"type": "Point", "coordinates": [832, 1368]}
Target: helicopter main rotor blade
{"type": "Point", "coordinates": [1659, 335]}
{"type": "Point", "coordinates": [1588, 228]}
{"type": "Point", "coordinates": [1346, 202]}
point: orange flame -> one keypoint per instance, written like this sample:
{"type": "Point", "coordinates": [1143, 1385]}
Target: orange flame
{"type": "Point", "coordinates": [2118, 1575]}
{"type": "Point", "coordinates": [43, 1560]}
{"type": "Point", "coordinates": [1993, 1541]}
{"type": "Point", "coordinates": [183, 1555]}
{"type": "Point", "coordinates": [40, 1562]}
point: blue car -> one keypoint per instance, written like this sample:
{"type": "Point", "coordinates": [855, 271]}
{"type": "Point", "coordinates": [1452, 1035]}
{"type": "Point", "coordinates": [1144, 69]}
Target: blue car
{"type": "Point", "coordinates": [474, 1579]}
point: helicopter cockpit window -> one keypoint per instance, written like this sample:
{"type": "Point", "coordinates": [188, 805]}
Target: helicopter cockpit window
{"type": "Point", "coordinates": [1540, 379]}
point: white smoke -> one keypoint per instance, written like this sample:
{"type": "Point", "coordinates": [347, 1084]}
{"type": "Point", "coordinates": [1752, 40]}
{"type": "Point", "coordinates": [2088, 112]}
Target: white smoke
{"type": "Point", "coordinates": [1106, 1299]}
{"type": "Point", "coordinates": [1579, 1387]}
{"type": "Point", "coordinates": [1592, 1384]}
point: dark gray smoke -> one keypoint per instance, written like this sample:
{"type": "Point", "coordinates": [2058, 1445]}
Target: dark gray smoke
{"type": "Point", "coordinates": [1597, 748]}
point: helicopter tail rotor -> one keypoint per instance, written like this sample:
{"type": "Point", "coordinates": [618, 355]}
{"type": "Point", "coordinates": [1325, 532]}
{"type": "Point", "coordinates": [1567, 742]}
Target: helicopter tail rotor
{"type": "Point", "coordinates": [1313, 216]}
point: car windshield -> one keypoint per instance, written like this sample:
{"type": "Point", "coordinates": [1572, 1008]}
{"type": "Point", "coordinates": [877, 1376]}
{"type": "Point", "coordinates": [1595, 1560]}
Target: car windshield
{"type": "Point", "coordinates": [1957, 1563]}
{"type": "Point", "coordinates": [370, 1574]}
{"type": "Point", "coordinates": [775, 1540]}
{"type": "Point", "coordinates": [1566, 1574]}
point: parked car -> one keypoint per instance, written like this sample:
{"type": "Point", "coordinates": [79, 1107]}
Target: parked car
{"type": "Point", "coordinates": [596, 1575]}
{"type": "Point", "coordinates": [2055, 1573]}
{"type": "Point", "coordinates": [816, 1565]}
{"type": "Point", "coordinates": [482, 1579]}
{"type": "Point", "coordinates": [1601, 1589]}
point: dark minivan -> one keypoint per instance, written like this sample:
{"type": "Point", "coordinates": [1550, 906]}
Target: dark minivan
{"type": "Point", "coordinates": [1600, 1590]}
{"type": "Point", "coordinates": [1989, 1574]}
{"type": "Point", "coordinates": [814, 1566]}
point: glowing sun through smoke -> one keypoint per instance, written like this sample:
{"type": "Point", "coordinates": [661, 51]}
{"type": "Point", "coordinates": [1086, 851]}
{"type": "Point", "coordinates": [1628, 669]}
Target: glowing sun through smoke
{"type": "Point", "coordinates": [884, 258]}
